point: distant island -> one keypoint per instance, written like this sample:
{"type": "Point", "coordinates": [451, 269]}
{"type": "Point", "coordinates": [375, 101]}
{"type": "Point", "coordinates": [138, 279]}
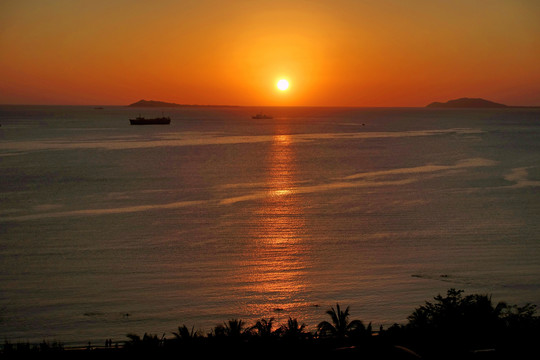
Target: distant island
{"type": "Point", "coordinates": [463, 103]}
{"type": "Point", "coordinates": [467, 103]}
{"type": "Point", "coordinates": [156, 104]}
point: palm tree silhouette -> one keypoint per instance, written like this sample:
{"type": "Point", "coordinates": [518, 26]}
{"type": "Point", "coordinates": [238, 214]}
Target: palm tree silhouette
{"type": "Point", "coordinates": [264, 327]}
{"type": "Point", "coordinates": [232, 328]}
{"type": "Point", "coordinates": [292, 329]}
{"type": "Point", "coordinates": [340, 326]}
{"type": "Point", "coordinates": [184, 334]}
{"type": "Point", "coordinates": [148, 341]}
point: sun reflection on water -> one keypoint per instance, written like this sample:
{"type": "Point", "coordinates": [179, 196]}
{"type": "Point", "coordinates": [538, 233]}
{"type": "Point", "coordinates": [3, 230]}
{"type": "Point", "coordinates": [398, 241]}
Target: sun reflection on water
{"type": "Point", "coordinates": [277, 257]}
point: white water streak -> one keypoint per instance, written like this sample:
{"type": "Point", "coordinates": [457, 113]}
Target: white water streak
{"type": "Point", "coordinates": [200, 139]}
{"type": "Point", "coordinates": [367, 179]}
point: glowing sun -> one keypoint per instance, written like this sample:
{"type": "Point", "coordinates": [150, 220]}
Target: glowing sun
{"type": "Point", "coordinates": [283, 84]}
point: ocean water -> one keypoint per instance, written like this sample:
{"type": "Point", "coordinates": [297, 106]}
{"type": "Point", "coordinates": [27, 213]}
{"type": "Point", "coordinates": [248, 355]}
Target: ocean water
{"type": "Point", "coordinates": [108, 229]}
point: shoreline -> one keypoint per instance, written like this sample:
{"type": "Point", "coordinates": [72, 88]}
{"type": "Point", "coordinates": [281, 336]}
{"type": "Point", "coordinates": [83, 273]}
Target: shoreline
{"type": "Point", "coordinates": [472, 324]}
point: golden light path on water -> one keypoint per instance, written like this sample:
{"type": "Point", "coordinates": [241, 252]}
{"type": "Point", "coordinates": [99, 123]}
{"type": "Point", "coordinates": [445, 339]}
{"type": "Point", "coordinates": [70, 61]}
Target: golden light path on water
{"type": "Point", "coordinates": [277, 260]}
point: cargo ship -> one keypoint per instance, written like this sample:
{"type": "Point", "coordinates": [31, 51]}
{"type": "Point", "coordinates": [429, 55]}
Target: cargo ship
{"type": "Point", "coordinates": [261, 116]}
{"type": "Point", "coordinates": [154, 121]}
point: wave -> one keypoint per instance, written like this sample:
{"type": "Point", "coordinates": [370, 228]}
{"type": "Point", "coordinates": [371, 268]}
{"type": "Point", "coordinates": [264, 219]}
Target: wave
{"type": "Point", "coordinates": [201, 139]}
{"type": "Point", "coordinates": [366, 179]}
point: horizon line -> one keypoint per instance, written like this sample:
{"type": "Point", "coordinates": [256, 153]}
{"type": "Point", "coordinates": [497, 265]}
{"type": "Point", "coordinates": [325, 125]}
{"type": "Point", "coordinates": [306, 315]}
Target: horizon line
{"type": "Point", "coordinates": [221, 105]}
{"type": "Point", "coordinates": [276, 106]}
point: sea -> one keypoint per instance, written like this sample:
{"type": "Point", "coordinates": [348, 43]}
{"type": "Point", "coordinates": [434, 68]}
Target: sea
{"type": "Point", "coordinates": [109, 229]}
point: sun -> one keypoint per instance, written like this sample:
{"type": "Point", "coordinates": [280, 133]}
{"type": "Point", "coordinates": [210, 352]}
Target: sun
{"type": "Point", "coordinates": [283, 84]}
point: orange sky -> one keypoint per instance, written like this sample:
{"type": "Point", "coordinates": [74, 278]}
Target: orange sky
{"type": "Point", "coordinates": [334, 53]}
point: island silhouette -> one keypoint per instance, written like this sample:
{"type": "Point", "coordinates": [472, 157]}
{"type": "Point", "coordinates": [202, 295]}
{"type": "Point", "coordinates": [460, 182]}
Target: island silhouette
{"type": "Point", "coordinates": [467, 103]}
{"type": "Point", "coordinates": [158, 104]}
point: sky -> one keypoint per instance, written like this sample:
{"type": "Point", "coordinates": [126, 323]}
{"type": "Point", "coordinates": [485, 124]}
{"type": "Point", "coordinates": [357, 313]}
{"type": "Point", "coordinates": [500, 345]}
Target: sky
{"type": "Point", "coordinates": [333, 53]}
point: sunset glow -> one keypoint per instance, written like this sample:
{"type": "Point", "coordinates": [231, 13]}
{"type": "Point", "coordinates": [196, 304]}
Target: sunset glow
{"type": "Point", "coordinates": [283, 84]}
{"type": "Point", "coordinates": [275, 177]}
{"type": "Point", "coordinates": [343, 52]}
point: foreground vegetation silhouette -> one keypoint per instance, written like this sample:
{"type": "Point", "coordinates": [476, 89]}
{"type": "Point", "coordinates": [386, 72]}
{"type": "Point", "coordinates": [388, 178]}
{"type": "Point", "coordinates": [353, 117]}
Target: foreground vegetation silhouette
{"type": "Point", "coordinates": [453, 326]}
{"type": "Point", "coordinates": [340, 326]}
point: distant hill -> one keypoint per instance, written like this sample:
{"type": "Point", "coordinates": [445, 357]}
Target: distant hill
{"type": "Point", "coordinates": [467, 103]}
{"type": "Point", "coordinates": [154, 104]}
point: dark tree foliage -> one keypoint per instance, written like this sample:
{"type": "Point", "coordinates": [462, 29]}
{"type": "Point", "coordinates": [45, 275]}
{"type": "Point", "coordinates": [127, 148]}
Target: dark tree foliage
{"type": "Point", "coordinates": [292, 330]}
{"type": "Point", "coordinates": [453, 326]}
{"type": "Point", "coordinates": [340, 326]}
{"type": "Point", "coordinates": [457, 324]}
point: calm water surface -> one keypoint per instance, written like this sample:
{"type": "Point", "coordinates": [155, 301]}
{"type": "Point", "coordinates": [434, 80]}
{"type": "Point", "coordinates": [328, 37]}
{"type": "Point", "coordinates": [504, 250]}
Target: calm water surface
{"type": "Point", "coordinates": [108, 229]}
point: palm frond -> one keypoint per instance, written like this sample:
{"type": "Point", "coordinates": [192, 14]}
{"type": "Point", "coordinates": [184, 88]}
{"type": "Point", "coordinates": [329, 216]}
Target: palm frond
{"type": "Point", "coordinates": [325, 328]}
{"type": "Point", "coordinates": [356, 325]}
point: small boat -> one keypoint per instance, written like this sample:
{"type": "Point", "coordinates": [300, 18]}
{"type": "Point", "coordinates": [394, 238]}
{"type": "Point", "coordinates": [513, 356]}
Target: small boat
{"type": "Point", "coordinates": [155, 121]}
{"type": "Point", "coordinates": [261, 116]}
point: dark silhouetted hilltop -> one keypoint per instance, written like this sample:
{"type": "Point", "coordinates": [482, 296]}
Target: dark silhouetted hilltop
{"type": "Point", "coordinates": [467, 103]}
{"type": "Point", "coordinates": [153, 103]}
{"type": "Point", "coordinates": [156, 104]}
